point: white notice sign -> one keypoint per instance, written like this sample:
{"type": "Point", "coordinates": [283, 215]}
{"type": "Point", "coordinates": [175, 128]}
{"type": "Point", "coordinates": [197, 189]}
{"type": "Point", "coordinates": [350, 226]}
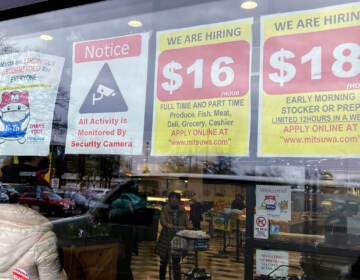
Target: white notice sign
{"type": "Point", "coordinates": [108, 93]}
{"type": "Point", "coordinates": [274, 201]}
{"type": "Point", "coordinates": [29, 84]}
{"type": "Point", "coordinates": [261, 227]}
{"type": "Point", "coordinates": [274, 262]}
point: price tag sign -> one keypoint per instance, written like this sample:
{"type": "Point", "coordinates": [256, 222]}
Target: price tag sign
{"type": "Point", "coordinates": [194, 77]}
{"type": "Point", "coordinates": [310, 90]}
{"type": "Point", "coordinates": [329, 63]}
{"type": "Point", "coordinates": [202, 90]}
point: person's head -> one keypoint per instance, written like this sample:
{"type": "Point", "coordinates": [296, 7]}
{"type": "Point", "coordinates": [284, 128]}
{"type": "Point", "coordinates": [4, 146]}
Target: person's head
{"type": "Point", "coordinates": [30, 160]}
{"type": "Point", "coordinates": [174, 199]}
{"type": "Point", "coordinates": [350, 209]}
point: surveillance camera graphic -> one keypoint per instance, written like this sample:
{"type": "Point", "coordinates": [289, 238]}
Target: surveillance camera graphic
{"type": "Point", "coordinates": [101, 92]}
{"type": "Point", "coordinates": [104, 95]}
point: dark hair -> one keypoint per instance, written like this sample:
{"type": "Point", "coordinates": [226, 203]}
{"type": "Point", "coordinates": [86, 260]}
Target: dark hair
{"type": "Point", "coordinates": [174, 194]}
{"type": "Point", "coordinates": [352, 207]}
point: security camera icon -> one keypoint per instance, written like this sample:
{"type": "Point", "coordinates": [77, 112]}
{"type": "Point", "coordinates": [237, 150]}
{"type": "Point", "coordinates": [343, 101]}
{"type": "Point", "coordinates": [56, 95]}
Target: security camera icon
{"type": "Point", "coordinates": [101, 92]}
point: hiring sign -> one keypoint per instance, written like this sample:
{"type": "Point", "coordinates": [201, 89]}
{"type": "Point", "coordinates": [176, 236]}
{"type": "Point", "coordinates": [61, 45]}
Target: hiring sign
{"type": "Point", "coordinates": [202, 99]}
{"type": "Point", "coordinates": [309, 88]}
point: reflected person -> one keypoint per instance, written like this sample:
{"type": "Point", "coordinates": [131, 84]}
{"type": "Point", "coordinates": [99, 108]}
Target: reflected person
{"type": "Point", "coordinates": [28, 246]}
{"type": "Point", "coordinates": [173, 218]}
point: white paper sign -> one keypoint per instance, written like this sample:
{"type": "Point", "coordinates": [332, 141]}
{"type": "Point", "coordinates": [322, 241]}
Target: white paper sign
{"type": "Point", "coordinates": [274, 202]}
{"type": "Point", "coordinates": [28, 87]}
{"type": "Point", "coordinates": [108, 93]}
{"type": "Point", "coordinates": [274, 262]}
{"type": "Point", "coordinates": [261, 227]}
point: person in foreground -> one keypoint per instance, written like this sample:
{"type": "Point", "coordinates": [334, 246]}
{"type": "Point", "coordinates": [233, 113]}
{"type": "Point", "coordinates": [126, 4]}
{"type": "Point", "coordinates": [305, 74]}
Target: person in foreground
{"type": "Point", "coordinates": [173, 218]}
{"type": "Point", "coordinates": [28, 246]}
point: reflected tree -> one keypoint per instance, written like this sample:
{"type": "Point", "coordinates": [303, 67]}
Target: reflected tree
{"type": "Point", "coordinates": [181, 165]}
{"type": "Point", "coordinates": [5, 47]}
{"type": "Point", "coordinates": [106, 170]}
{"type": "Point", "coordinates": [222, 165]}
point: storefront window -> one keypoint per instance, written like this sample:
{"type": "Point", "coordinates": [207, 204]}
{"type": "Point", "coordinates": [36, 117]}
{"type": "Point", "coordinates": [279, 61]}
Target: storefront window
{"type": "Point", "coordinates": [251, 115]}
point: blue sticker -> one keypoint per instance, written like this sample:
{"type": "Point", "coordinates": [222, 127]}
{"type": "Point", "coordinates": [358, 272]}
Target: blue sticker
{"type": "Point", "coordinates": [274, 229]}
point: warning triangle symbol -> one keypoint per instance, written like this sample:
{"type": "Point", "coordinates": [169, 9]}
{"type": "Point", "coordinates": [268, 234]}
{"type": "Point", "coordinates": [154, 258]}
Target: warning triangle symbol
{"type": "Point", "coordinates": [104, 95]}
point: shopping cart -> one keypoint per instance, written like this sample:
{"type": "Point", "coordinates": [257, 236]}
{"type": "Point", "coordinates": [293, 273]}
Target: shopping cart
{"type": "Point", "coordinates": [188, 242]}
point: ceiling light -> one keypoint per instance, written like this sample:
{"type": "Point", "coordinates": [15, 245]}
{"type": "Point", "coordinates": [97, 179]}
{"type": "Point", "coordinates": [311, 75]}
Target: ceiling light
{"type": "Point", "coordinates": [134, 23]}
{"type": "Point", "coordinates": [247, 5]}
{"type": "Point", "coordinates": [46, 37]}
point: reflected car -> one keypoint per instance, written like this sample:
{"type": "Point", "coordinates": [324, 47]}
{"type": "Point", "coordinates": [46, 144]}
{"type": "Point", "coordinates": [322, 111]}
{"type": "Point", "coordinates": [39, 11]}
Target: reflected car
{"type": "Point", "coordinates": [96, 193]}
{"type": "Point", "coordinates": [28, 188]}
{"type": "Point", "coordinates": [82, 203]}
{"type": "Point", "coordinates": [4, 198]}
{"type": "Point", "coordinates": [107, 235]}
{"type": "Point", "coordinates": [48, 202]}
{"type": "Point", "coordinates": [10, 191]}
